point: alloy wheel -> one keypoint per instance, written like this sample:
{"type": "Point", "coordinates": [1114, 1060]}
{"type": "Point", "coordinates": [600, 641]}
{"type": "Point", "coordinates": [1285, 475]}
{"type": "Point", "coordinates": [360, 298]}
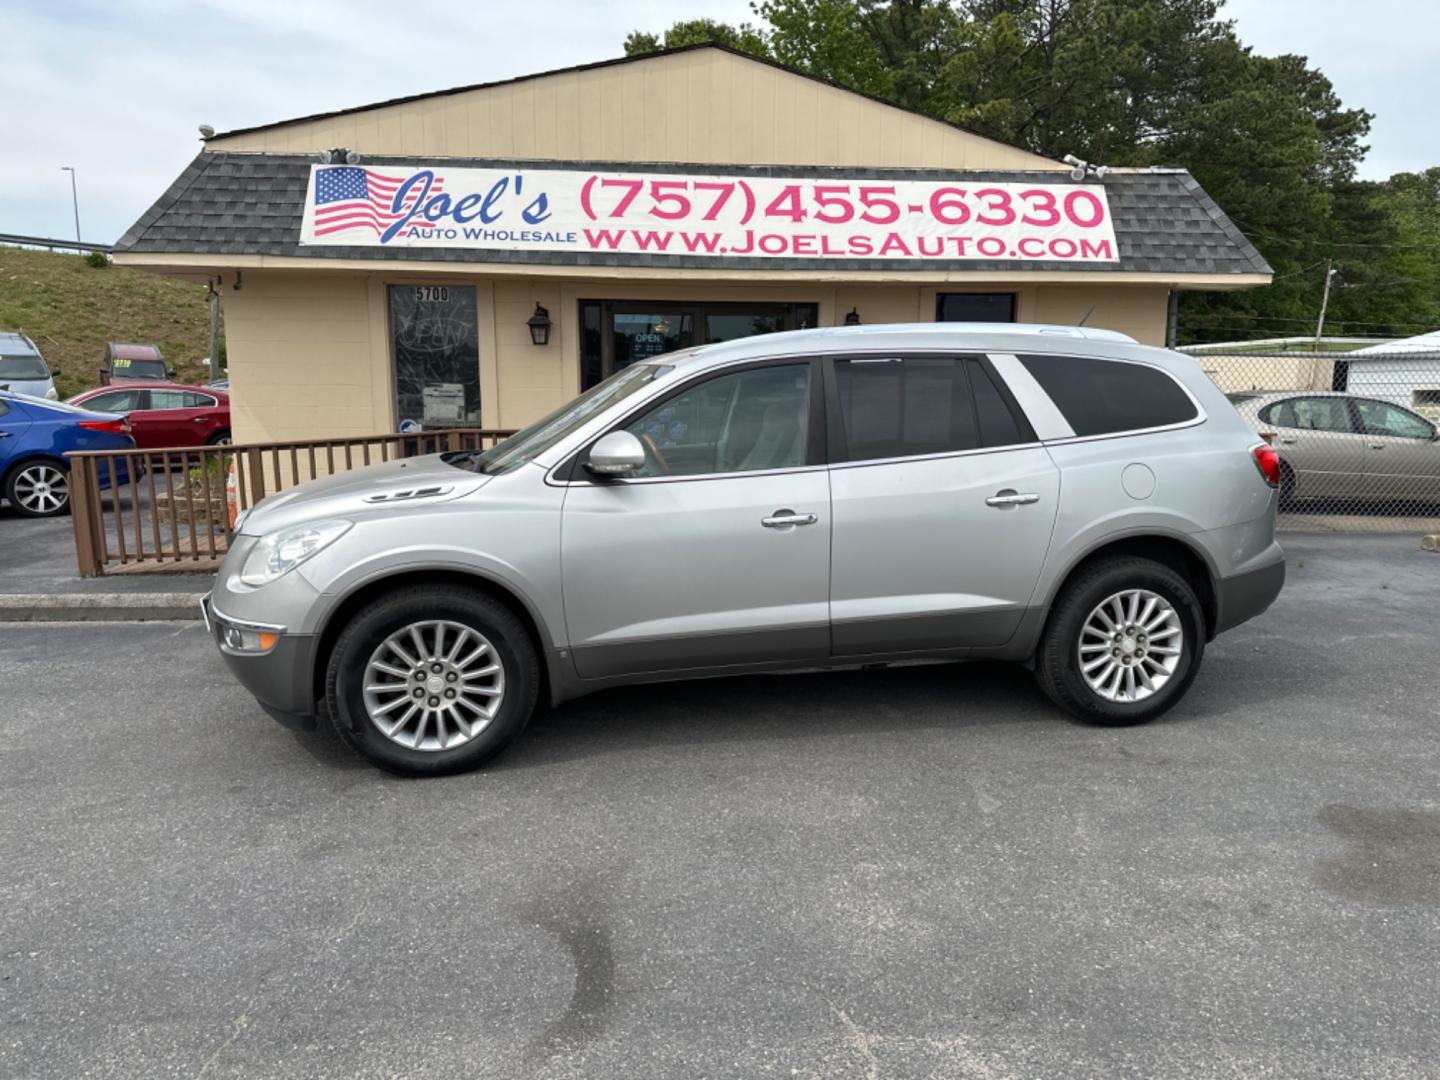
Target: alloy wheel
{"type": "Point", "coordinates": [1131, 645]}
{"type": "Point", "coordinates": [433, 685]}
{"type": "Point", "coordinates": [42, 489]}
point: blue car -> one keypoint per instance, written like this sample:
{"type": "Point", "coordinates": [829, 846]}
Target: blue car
{"type": "Point", "coordinates": [35, 435]}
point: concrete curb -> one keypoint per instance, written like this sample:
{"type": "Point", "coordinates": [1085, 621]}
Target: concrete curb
{"type": "Point", "coordinates": [100, 607]}
{"type": "Point", "coordinates": [1430, 543]}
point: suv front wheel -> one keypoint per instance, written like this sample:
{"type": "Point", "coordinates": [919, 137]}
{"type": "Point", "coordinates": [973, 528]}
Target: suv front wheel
{"type": "Point", "coordinates": [429, 680]}
{"type": "Point", "coordinates": [1123, 643]}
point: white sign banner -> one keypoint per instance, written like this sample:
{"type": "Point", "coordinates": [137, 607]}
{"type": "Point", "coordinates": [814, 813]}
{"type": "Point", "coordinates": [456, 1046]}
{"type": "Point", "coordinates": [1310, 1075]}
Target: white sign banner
{"type": "Point", "coordinates": [706, 216]}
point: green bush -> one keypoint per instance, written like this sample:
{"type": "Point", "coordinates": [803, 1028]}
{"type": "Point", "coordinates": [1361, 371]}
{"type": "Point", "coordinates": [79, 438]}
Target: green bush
{"type": "Point", "coordinates": [219, 469]}
{"type": "Point", "coordinates": [98, 259]}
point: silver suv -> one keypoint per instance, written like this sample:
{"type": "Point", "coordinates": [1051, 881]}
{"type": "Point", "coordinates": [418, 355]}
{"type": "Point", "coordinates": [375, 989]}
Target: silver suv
{"type": "Point", "coordinates": [1057, 496]}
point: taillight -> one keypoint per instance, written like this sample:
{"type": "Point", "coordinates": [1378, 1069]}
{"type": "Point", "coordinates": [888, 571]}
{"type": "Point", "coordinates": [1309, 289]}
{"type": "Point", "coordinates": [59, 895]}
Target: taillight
{"type": "Point", "coordinates": [1268, 462]}
{"type": "Point", "coordinates": [114, 427]}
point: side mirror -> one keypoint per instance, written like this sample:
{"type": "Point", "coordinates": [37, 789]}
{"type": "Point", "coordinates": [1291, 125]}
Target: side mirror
{"type": "Point", "coordinates": [170, 373]}
{"type": "Point", "coordinates": [617, 454]}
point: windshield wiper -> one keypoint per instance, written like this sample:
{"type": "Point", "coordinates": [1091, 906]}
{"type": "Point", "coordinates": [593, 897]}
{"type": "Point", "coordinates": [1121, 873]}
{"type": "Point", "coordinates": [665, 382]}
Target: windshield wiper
{"type": "Point", "coordinates": [465, 459]}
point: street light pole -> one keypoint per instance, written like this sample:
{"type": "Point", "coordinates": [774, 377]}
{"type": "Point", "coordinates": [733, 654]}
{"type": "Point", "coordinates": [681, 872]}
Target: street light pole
{"type": "Point", "coordinates": [74, 198]}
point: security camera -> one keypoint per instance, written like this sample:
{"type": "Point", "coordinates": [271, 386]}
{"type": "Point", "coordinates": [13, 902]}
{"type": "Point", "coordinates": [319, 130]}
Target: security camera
{"type": "Point", "coordinates": [1077, 173]}
{"type": "Point", "coordinates": [1100, 171]}
{"type": "Point", "coordinates": [1071, 159]}
{"type": "Point", "coordinates": [352, 157]}
{"type": "Point", "coordinates": [206, 131]}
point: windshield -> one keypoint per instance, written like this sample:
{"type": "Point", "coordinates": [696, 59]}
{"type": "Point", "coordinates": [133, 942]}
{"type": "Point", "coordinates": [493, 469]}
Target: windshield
{"type": "Point", "coordinates": [125, 368]}
{"type": "Point", "coordinates": [26, 366]}
{"type": "Point", "coordinates": [534, 440]}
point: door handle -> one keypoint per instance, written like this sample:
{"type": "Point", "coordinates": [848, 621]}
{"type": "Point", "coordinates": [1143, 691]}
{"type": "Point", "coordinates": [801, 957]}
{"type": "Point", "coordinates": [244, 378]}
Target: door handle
{"type": "Point", "coordinates": [1287, 442]}
{"type": "Point", "coordinates": [1377, 446]}
{"type": "Point", "coordinates": [786, 519]}
{"type": "Point", "coordinates": [1012, 498]}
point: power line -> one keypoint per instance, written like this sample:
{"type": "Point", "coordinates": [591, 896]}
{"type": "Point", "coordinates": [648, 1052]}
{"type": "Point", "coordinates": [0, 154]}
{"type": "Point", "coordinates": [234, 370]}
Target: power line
{"type": "Point", "coordinates": [1233, 317]}
{"type": "Point", "coordinates": [1252, 232]}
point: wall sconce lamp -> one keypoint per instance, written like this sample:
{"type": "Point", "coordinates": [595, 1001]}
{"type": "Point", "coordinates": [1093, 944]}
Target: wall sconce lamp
{"type": "Point", "coordinates": [852, 317]}
{"type": "Point", "coordinates": [539, 324]}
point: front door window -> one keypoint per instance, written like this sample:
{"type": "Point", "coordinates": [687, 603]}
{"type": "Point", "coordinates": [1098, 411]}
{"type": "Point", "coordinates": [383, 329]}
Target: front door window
{"type": "Point", "coordinates": [743, 422]}
{"type": "Point", "coordinates": [436, 346]}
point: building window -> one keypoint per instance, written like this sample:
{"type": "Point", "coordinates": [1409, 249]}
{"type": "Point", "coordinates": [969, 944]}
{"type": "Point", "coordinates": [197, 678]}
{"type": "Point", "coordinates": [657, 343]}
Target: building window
{"type": "Point", "coordinates": [436, 348]}
{"type": "Point", "coordinates": [616, 333]}
{"type": "Point", "coordinates": [975, 307]}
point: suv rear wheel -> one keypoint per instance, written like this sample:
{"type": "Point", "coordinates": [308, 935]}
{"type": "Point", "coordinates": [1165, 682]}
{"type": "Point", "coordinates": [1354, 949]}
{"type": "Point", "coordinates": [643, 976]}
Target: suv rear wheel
{"type": "Point", "coordinates": [430, 680]}
{"type": "Point", "coordinates": [1123, 643]}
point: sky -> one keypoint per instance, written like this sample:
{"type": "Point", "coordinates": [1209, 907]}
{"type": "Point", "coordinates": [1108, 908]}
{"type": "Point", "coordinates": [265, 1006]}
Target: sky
{"type": "Point", "coordinates": [118, 89]}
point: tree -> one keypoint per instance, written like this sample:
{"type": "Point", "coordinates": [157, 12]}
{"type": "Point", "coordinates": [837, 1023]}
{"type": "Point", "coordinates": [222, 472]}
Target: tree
{"type": "Point", "coordinates": [1142, 82]}
{"type": "Point", "coordinates": [744, 37]}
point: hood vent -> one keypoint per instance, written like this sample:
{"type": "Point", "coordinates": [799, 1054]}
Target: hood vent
{"type": "Point", "coordinates": [410, 494]}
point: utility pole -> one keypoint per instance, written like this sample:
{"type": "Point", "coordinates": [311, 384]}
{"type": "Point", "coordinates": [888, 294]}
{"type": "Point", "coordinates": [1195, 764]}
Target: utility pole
{"type": "Point", "coordinates": [74, 198]}
{"type": "Point", "coordinates": [1324, 302]}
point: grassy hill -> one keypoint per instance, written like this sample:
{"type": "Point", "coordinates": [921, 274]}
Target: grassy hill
{"type": "Point", "coordinates": [71, 309]}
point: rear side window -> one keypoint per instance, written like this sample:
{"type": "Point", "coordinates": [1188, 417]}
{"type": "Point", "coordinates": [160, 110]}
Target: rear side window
{"type": "Point", "coordinates": [198, 401]}
{"type": "Point", "coordinates": [902, 407]}
{"type": "Point", "coordinates": [116, 401]}
{"type": "Point", "coordinates": [1101, 397]}
{"type": "Point", "coordinates": [1310, 414]}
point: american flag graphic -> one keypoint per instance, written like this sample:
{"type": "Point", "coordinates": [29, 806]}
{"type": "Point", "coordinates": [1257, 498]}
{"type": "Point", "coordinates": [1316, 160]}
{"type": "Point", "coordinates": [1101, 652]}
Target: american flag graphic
{"type": "Point", "coordinates": [351, 197]}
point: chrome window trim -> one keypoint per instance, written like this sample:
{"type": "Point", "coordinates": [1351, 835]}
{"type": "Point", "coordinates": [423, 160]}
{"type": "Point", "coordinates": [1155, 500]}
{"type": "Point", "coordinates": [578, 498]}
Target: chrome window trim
{"type": "Point", "coordinates": [974, 451]}
{"type": "Point", "coordinates": [1127, 433]}
{"type": "Point", "coordinates": [621, 481]}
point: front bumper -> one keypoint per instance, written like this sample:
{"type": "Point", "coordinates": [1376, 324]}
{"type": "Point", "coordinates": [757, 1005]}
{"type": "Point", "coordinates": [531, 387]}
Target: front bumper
{"type": "Point", "coordinates": [282, 680]}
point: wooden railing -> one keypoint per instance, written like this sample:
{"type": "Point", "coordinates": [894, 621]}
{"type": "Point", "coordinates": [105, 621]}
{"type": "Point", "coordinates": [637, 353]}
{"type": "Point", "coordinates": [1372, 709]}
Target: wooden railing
{"type": "Point", "coordinates": [170, 510]}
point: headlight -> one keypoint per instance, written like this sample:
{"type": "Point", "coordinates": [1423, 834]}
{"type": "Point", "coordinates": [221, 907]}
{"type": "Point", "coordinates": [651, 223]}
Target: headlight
{"type": "Point", "coordinates": [279, 553]}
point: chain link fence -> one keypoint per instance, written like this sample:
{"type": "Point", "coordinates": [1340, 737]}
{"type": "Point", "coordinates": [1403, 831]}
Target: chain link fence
{"type": "Point", "coordinates": [1356, 433]}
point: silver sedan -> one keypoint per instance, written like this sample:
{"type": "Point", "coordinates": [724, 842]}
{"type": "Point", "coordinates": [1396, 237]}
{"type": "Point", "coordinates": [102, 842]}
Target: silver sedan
{"type": "Point", "coordinates": [1335, 445]}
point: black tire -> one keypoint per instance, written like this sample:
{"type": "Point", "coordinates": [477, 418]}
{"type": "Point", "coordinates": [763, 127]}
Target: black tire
{"type": "Point", "coordinates": [1287, 486]}
{"type": "Point", "coordinates": [32, 487]}
{"type": "Point", "coordinates": [372, 624]}
{"type": "Point", "coordinates": [220, 438]}
{"type": "Point", "coordinates": [1058, 661]}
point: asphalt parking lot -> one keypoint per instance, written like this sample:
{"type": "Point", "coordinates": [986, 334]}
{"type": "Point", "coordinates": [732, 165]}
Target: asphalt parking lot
{"type": "Point", "coordinates": [919, 872]}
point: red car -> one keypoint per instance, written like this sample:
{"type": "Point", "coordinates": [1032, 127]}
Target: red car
{"type": "Point", "coordinates": [165, 414]}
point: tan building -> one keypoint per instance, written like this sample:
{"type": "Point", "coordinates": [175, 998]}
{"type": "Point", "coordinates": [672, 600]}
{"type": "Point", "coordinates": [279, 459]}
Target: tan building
{"type": "Point", "coordinates": [478, 256]}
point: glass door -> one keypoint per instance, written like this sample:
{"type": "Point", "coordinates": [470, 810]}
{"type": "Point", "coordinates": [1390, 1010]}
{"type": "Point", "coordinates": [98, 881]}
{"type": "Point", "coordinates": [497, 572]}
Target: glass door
{"type": "Point", "coordinates": [642, 334]}
{"type": "Point", "coordinates": [617, 333]}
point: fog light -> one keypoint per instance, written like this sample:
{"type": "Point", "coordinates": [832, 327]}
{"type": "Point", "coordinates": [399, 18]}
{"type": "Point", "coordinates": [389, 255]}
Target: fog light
{"type": "Point", "coordinates": [243, 639]}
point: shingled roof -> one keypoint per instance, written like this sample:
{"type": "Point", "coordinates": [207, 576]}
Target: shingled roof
{"type": "Point", "coordinates": [251, 204]}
